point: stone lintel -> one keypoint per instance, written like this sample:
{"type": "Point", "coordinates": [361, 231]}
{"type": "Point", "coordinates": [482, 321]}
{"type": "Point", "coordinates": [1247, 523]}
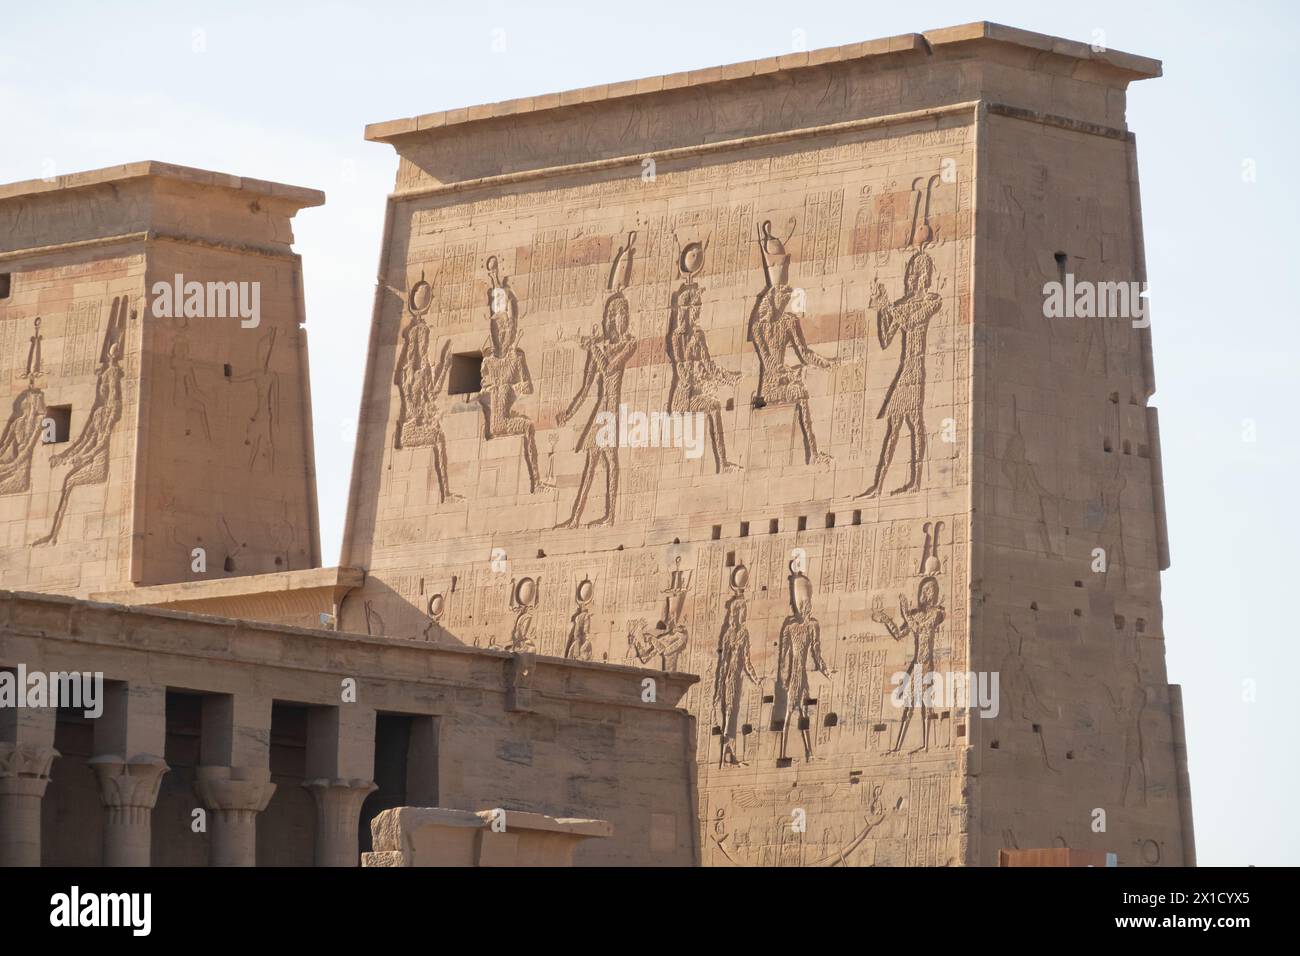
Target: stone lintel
{"type": "Point", "coordinates": [284, 597]}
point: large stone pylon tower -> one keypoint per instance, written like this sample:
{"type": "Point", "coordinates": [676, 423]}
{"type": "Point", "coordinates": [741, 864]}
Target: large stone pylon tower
{"type": "Point", "coordinates": [155, 416]}
{"type": "Point", "coordinates": [751, 372]}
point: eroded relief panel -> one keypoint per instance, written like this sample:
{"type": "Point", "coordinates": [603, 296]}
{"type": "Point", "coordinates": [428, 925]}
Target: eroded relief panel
{"type": "Point", "coordinates": [69, 362]}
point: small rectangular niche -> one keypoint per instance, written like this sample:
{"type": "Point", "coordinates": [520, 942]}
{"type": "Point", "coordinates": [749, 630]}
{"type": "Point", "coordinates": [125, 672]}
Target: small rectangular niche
{"type": "Point", "coordinates": [466, 374]}
{"type": "Point", "coordinates": [59, 419]}
{"type": "Point", "coordinates": [6, 284]}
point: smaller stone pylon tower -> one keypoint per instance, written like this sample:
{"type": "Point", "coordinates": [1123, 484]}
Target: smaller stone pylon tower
{"type": "Point", "coordinates": [155, 416]}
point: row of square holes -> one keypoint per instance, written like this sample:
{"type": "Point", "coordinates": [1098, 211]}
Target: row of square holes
{"type": "Point", "coordinates": [774, 525]}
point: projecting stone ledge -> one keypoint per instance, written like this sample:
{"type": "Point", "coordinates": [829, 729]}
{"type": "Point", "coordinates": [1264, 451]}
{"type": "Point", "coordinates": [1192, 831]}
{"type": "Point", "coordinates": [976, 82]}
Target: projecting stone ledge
{"type": "Point", "coordinates": [304, 598]}
{"type": "Point", "coordinates": [435, 836]}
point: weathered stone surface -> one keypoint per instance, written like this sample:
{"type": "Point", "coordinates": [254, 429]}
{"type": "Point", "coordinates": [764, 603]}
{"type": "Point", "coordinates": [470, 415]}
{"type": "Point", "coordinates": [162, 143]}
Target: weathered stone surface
{"type": "Point", "coordinates": [835, 266]}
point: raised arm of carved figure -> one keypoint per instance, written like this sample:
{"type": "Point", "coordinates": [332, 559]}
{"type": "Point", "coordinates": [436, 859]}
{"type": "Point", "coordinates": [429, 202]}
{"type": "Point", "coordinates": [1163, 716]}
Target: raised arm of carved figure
{"type": "Point", "coordinates": [880, 617]}
{"type": "Point", "coordinates": [909, 619]}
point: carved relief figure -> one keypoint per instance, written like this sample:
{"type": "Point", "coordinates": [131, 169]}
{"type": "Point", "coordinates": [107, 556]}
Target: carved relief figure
{"type": "Point", "coordinates": [87, 456]}
{"type": "Point", "coordinates": [419, 386]}
{"type": "Point", "coordinates": [774, 327]}
{"type": "Point", "coordinates": [506, 377]}
{"type": "Point", "coordinates": [609, 349]}
{"type": "Point", "coordinates": [1022, 701]}
{"type": "Point", "coordinates": [437, 607]}
{"type": "Point", "coordinates": [695, 375]}
{"type": "Point", "coordinates": [909, 319]}
{"type": "Point", "coordinates": [523, 601]}
{"type": "Point", "coordinates": [922, 623]}
{"type": "Point", "coordinates": [18, 442]}
{"type": "Point", "coordinates": [259, 435]}
{"type": "Point", "coordinates": [800, 645]}
{"type": "Point", "coordinates": [23, 430]}
{"type": "Point", "coordinates": [735, 663]}
{"type": "Point", "coordinates": [578, 647]}
{"type": "Point", "coordinates": [1024, 477]}
{"type": "Point", "coordinates": [1129, 706]}
{"type": "Point", "coordinates": [187, 396]}
{"type": "Point", "coordinates": [669, 639]}
{"type": "Point", "coordinates": [640, 642]}
{"type": "Point", "coordinates": [1112, 533]}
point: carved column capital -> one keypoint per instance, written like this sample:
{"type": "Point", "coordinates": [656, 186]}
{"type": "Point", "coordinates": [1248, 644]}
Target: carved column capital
{"type": "Point", "coordinates": [127, 786]}
{"type": "Point", "coordinates": [24, 775]}
{"type": "Point", "coordinates": [237, 790]}
{"type": "Point", "coordinates": [345, 791]}
{"type": "Point", "coordinates": [25, 769]}
{"type": "Point", "coordinates": [235, 795]}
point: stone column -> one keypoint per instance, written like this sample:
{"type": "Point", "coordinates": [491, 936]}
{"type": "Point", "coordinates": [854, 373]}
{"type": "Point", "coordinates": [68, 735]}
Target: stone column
{"type": "Point", "coordinates": [129, 791]}
{"type": "Point", "coordinates": [234, 777]}
{"type": "Point", "coordinates": [234, 796]}
{"type": "Point", "coordinates": [129, 736]}
{"type": "Point", "coordinates": [26, 755]}
{"type": "Point", "coordinates": [340, 774]}
{"type": "Point", "coordinates": [24, 775]}
{"type": "Point", "coordinates": [338, 810]}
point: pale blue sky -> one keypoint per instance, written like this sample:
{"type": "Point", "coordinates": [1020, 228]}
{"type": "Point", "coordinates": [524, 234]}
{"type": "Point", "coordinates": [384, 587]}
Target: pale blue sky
{"type": "Point", "coordinates": [283, 90]}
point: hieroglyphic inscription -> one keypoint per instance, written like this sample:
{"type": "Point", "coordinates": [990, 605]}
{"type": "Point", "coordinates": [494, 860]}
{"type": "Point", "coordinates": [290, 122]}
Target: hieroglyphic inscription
{"type": "Point", "coordinates": [823, 212]}
{"type": "Point", "coordinates": [80, 336]}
